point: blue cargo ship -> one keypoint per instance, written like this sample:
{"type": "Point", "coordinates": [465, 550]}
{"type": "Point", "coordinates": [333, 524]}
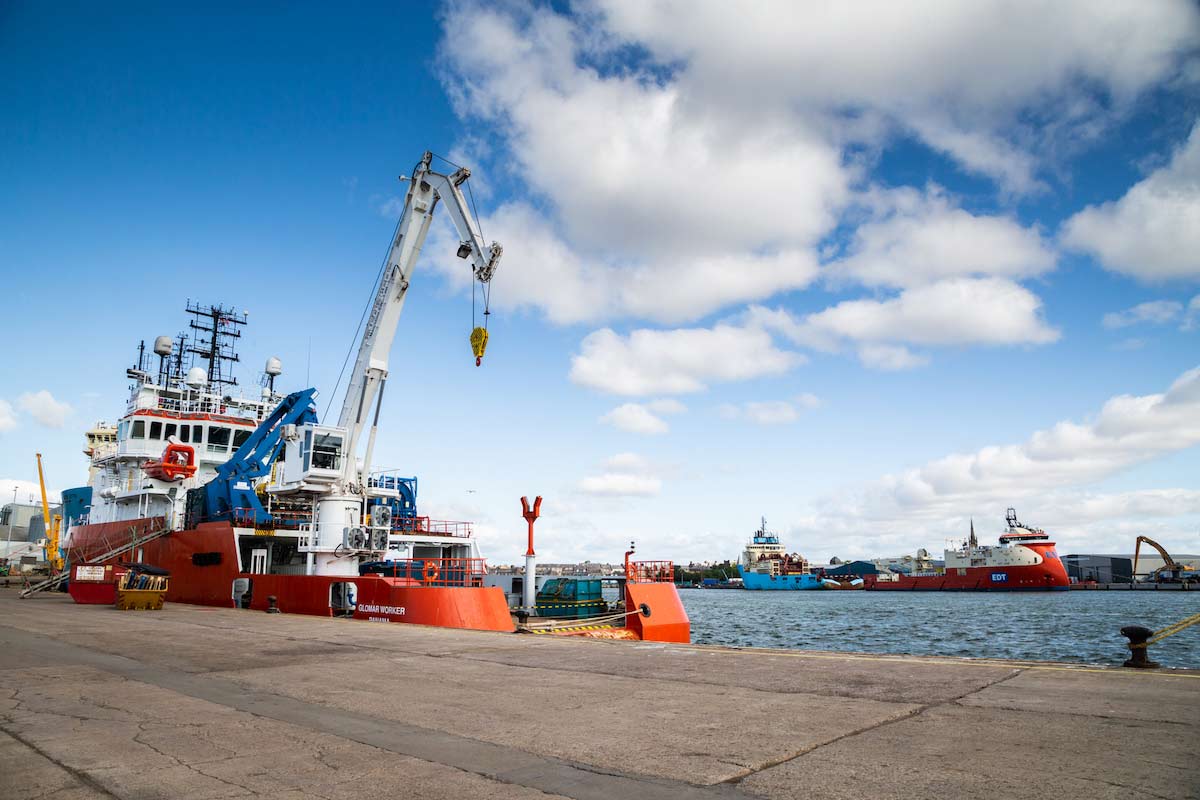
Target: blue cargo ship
{"type": "Point", "coordinates": [765, 565]}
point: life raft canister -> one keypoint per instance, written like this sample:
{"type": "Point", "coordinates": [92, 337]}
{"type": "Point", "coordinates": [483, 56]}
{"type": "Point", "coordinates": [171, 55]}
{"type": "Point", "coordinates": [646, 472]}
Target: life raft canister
{"type": "Point", "coordinates": [178, 462]}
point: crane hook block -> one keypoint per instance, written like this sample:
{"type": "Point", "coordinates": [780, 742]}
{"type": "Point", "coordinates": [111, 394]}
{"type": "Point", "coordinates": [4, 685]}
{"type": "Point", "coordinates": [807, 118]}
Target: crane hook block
{"type": "Point", "coordinates": [479, 340]}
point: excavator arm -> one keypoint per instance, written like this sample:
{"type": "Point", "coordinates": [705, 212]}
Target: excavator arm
{"type": "Point", "coordinates": [1168, 562]}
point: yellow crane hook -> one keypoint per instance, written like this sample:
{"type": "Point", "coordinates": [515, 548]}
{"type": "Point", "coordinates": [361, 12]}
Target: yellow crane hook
{"type": "Point", "coordinates": [479, 340]}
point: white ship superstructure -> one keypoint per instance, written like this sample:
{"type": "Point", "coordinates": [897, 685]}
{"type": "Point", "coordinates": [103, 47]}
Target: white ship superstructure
{"type": "Point", "coordinates": [183, 402]}
{"type": "Point", "coordinates": [1009, 553]}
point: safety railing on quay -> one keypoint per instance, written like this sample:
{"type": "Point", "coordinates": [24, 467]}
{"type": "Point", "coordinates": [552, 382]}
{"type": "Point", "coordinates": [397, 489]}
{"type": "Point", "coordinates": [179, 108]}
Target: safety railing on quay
{"type": "Point", "coordinates": [433, 571]}
{"type": "Point", "coordinates": [651, 572]}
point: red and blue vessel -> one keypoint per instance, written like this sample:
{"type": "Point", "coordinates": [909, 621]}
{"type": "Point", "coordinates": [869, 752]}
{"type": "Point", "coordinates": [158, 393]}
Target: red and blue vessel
{"type": "Point", "coordinates": [1025, 561]}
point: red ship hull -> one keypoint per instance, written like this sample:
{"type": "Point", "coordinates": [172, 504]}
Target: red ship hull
{"type": "Point", "coordinates": [203, 563]}
{"type": "Point", "coordinates": [1049, 575]}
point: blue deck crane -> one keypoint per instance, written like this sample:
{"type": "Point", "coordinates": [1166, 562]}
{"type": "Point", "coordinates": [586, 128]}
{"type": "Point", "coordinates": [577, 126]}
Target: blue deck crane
{"type": "Point", "coordinates": [232, 489]}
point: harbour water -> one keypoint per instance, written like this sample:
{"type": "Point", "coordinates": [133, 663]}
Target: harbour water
{"type": "Point", "coordinates": [1078, 626]}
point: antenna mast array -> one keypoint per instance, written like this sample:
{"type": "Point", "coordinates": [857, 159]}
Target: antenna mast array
{"type": "Point", "coordinates": [217, 329]}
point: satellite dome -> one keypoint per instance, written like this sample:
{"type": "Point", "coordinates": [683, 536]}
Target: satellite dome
{"type": "Point", "coordinates": [163, 345]}
{"type": "Point", "coordinates": [274, 366]}
{"type": "Point", "coordinates": [196, 378]}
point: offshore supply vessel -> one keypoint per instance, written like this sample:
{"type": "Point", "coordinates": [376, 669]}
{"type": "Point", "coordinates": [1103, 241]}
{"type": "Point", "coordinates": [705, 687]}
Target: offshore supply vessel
{"type": "Point", "coordinates": [1024, 561]}
{"type": "Point", "coordinates": [766, 565]}
{"type": "Point", "coordinates": [255, 503]}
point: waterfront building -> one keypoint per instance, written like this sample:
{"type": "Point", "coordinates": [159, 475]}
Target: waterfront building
{"type": "Point", "coordinates": [1109, 568]}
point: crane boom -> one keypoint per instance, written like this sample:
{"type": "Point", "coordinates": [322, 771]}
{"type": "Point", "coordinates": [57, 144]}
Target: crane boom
{"type": "Point", "coordinates": [51, 525]}
{"type": "Point", "coordinates": [365, 387]}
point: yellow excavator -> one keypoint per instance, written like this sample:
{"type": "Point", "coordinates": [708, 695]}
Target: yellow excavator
{"type": "Point", "coordinates": [1170, 572]}
{"type": "Point", "coordinates": [52, 525]}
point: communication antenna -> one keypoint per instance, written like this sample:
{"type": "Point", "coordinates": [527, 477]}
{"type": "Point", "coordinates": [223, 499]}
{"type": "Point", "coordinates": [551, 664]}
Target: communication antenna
{"type": "Point", "coordinates": [217, 330]}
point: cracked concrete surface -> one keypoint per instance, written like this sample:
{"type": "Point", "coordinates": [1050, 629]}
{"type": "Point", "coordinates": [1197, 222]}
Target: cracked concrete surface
{"type": "Point", "coordinates": [207, 703]}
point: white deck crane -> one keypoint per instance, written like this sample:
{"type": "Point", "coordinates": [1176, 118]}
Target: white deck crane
{"type": "Point", "coordinates": [341, 508]}
{"type": "Point", "coordinates": [426, 188]}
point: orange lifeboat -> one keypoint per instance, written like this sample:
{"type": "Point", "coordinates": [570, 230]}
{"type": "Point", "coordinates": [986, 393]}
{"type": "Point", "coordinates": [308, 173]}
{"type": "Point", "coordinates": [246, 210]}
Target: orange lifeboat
{"type": "Point", "coordinates": [178, 462]}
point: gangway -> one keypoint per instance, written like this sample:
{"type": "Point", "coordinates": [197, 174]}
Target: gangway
{"type": "Point", "coordinates": [55, 581]}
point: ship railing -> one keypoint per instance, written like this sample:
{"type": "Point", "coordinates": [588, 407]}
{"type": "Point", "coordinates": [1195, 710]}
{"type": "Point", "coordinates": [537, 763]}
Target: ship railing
{"type": "Point", "coordinates": [390, 480]}
{"type": "Point", "coordinates": [433, 527]}
{"type": "Point", "coordinates": [100, 451]}
{"type": "Point", "coordinates": [651, 572]}
{"type": "Point", "coordinates": [291, 520]}
{"type": "Point", "coordinates": [198, 404]}
{"type": "Point", "coordinates": [462, 572]}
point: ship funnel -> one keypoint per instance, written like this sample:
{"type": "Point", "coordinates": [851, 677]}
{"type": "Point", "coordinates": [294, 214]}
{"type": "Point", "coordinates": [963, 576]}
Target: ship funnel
{"type": "Point", "coordinates": [196, 378]}
{"type": "Point", "coordinates": [163, 345]}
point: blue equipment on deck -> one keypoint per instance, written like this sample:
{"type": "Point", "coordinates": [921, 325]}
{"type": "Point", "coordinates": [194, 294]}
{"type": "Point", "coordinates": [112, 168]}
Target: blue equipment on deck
{"type": "Point", "coordinates": [233, 487]}
{"type": "Point", "coordinates": [404, 506]}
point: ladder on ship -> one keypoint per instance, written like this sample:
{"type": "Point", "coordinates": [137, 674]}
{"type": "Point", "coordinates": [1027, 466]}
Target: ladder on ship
{"type": "Point", "coordinates": [55, 581]}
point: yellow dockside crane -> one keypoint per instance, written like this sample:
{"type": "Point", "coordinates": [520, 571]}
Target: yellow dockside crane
{"type": "Point", "coordinates": [52, 525]}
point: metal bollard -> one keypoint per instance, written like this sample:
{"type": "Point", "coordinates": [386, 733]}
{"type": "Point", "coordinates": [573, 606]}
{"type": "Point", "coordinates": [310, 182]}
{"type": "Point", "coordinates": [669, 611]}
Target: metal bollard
{"type": "Point", "coordinates": [1137, 636]}
{"type": "Point", "coordinates": [272, 608]}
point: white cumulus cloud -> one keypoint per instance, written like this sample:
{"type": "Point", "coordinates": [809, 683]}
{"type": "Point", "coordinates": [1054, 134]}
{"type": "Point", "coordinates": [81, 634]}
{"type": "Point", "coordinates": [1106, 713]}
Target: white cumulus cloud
{"type": "Point", "coordinates": [1050, 477]}
{"type": "Point", "coordinates": [770, 412]}
{"type": "Point", "coordinates": [625, 475]}
{"type": "Point", "coordinates": [8, 417]}
{"type": "Point", "coordinates": [1153, 231]}
{"type": "Point", "coordinates": [676, 361]}
{"type": "Point", "coordinates": [1155, 312]}
{"type": "Point", "coordinates": [1128, 430]}
{"type": "Point", "coordinates": [957, 311]}
{"type": "Point", "coordinates": [918, 238]}
{"type": "Point", "coordinates": [42, 406]}
{"type": "Point", "coordinates": [957, 75]}
{"type": "Point", "coordinates": [635, 418]}
{"type": "Point", "coordinates": [890, 357]}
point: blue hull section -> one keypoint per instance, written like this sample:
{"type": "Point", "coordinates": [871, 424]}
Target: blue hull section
{"type": "Point", "coordinates": [763, 582]}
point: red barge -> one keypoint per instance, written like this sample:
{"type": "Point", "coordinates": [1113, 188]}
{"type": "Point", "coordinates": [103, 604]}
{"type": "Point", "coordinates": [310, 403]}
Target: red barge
{"type": "Point", "coordinates": [1025, 561]}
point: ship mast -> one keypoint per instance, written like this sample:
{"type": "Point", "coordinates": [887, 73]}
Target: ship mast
{"type": "Point", "coordinates": [217, 329]}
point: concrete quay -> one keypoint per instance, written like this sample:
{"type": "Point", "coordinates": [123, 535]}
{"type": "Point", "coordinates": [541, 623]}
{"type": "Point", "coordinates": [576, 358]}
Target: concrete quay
{"type": "Point", "coordinates": [194, 702]}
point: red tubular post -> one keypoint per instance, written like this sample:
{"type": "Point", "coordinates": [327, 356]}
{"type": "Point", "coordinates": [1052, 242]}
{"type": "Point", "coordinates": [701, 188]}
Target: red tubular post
{"type": "Point", "coordinates": [531, 514]}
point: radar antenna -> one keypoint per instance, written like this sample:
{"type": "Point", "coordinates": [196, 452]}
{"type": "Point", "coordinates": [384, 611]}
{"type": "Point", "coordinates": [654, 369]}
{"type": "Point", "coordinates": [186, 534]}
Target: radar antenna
{"type": "Point", "coordinates": [217, 330]}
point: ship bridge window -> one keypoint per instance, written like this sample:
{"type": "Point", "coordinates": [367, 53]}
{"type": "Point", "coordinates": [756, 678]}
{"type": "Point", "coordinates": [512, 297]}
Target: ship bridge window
{"type": "Point", "coordinates": [155, 430]}
{"type": "Point", "coordinates": [240, 437]}
{"type": "Point", "coordinates": [327, 451]}
{"type": "Point", "coordinates": [139, 429]}
{"type": "Point", "coordinates": [169, 430]}
{"type": "Point", "coordinates": [185, 433]}
{"type": "Point", "coordinates": [218, 440]}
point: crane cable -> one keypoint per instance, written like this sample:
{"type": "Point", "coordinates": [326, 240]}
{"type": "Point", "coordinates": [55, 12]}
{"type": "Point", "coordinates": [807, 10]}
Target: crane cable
{"type": "Point", "coordinates": [479, 335]}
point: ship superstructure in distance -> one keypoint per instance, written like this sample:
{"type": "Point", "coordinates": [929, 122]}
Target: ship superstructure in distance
{"type": "Point", "coordinates": [766, 565]}
{"type": "Point", "coordinates": [1024, 560]}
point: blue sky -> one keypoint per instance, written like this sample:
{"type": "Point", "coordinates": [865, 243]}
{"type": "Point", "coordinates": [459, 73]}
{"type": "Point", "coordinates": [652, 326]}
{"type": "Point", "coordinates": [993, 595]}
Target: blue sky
{"type": "Point", "coordinates": [866, 276]}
